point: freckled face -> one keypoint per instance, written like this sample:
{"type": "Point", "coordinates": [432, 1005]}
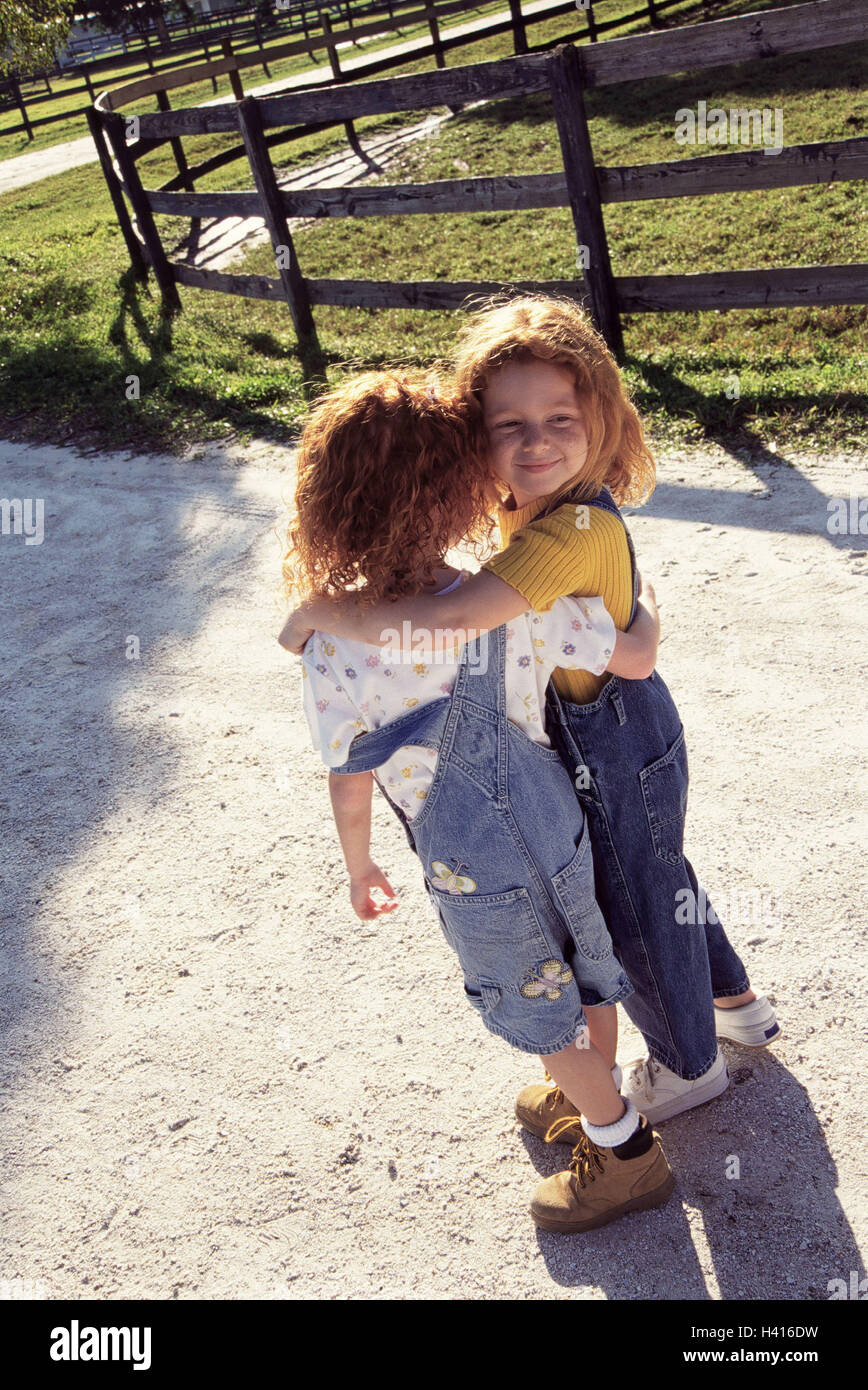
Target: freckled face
{"type": "Point", "coordinates": [535, 427]}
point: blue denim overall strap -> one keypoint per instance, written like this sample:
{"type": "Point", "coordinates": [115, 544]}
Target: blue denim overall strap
{"type": "Point", "coordinates": [628, 747]}
{"type": "Point", "coordinates": [507, 860]}
{"type": "Point", "coordinates": [607, 503]}
{"type": "Point", "coordinates": [421, 728]}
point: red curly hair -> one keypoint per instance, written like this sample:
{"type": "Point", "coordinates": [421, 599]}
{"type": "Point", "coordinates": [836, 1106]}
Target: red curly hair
{"type": "Point", "coordinates": [550, 329]}
{"type": "Point", "coordinates": [390, 477]}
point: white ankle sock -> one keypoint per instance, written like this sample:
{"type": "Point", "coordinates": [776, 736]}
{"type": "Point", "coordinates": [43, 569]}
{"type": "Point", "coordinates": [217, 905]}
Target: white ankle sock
{"type": "Point", "coordinates": [607, 1136]}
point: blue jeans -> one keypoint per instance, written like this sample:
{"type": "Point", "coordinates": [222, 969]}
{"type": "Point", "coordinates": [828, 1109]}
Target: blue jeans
{"type": "Point", "coordinates": [626, 753]}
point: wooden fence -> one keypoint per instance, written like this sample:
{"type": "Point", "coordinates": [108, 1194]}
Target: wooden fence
{"type": "Point", "coordinates": [515, 19]}
{"type": "Point", "coordinates": [224, 34]}
{"type": "Point", "coordinates": [205, 33]}
{"type": "Point", "coordinates": [584, 187]}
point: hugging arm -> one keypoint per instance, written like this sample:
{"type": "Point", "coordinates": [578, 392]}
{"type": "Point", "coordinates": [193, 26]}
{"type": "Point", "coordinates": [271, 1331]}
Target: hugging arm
{"type": "Point", "coordinates": [483, 603]}
{"type": "Point", "coordinates": [635, 653]}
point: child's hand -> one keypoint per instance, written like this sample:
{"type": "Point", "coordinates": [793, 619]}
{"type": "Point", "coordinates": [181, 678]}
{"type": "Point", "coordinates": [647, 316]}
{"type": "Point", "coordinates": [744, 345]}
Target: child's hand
{"type": "Point", "coordinates": [361, 884]}
{"type": "Point", "coordinates": [296, 631]}
{"type": "Point", "coordinates": [636, 649]}
{"type": "Point", "coordinates": [646, 593]}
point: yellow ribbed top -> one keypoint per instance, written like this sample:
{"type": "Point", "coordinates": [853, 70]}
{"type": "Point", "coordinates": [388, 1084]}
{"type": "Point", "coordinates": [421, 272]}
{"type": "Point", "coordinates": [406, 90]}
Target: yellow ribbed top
{"type": "Point", "coordinates": [552, 557]}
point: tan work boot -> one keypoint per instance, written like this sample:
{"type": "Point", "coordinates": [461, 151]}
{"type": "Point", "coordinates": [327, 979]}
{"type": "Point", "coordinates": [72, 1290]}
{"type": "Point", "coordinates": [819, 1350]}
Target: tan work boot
{"type": "Point", "coordinates": [539, 1107]}
{"type": "Point", "coordinates": [602, 1184]}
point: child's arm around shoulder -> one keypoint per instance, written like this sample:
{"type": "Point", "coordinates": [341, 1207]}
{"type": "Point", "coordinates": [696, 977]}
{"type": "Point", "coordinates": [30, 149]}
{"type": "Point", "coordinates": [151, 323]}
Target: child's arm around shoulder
{"type": "Point", "coordinates": [351, 794]}
{"type": "Point", "coordinates": [491, 602]}
{"type": "Point", "coordinates": [547, 558]}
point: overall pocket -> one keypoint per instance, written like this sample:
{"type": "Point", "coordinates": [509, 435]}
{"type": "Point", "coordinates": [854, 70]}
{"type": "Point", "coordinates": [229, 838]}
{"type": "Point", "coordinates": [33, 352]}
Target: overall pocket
{"type": "Point", "coordinates": [496, 936]}
{"type": "Point", "coordinates": [574, 887]}
{"type": "Point", "coordinates": [664, 792]}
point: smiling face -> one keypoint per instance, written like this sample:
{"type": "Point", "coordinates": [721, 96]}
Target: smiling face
{"type": "Point", "coordinates": [535, 427]}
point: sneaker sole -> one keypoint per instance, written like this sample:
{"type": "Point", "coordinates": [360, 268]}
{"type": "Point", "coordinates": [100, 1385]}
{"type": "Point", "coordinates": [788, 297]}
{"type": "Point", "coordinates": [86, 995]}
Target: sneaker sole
{"type": "Point", "coordinates": [757, 1046]}
{"type": "Point", "coordinates": [679, 1104]}
{"type": "Point", "coordinates": [655, 1198]}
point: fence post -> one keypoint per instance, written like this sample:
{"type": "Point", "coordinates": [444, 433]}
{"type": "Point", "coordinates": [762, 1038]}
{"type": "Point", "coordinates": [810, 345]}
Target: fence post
{"type": "Point", "coordinates": [331, 49]}
{"type": "Point", "coordinates": [207, 52]}
{"type": "Point", "coordinates": [431, 16]}
{"type": "Point", "coordinates": [177, 148]}
{"type": "Point", "coordinates": [16, 92]}
{"type": "Point", "coordinates": [294, 287]}
{"type": "Point", "coordinates": [652, 14]}
{"type": "Point", "coordinates": [137, 260]}
{"type": "Point", "coordinates": [337, 75]}
{"type": "Point", "coordinates": [592, 23]}
{"type": "Point", "coordinates": [261, 42]}
{"type": "Point", "coordinates": [114, 127]}
{"type": "Point", "coordinates": [519, 33]}
{"type": "Point", "coordinates": [87, 82]}
{"type": "Point", "coordinates": [235, 80]}
{"type": "Point", "coordinates": [565, 77]}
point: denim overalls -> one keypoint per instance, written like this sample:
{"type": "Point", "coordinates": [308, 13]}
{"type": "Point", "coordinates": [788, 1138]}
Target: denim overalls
{"type": "Point", "coordinates": [626, 751]}
{"type": "Point", "coordinates": [507, 859]}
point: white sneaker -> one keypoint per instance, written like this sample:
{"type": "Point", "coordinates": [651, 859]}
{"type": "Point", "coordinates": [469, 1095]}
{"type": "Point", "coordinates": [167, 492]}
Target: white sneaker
{"type": "Point", "coordinates": [752, 1025]}
{"type": "Point", "coordinates": [659, 1094]}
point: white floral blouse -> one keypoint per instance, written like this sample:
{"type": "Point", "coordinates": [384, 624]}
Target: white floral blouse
{"type": "Point", "coordinates": [350, 687]}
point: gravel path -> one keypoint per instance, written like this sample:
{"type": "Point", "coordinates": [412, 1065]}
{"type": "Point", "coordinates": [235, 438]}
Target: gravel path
{"type": "Point", "coordinates": [217, 1083]}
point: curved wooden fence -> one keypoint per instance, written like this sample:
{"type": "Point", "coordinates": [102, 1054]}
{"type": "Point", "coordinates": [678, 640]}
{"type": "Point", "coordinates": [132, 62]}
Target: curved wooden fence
{"type": "Point", "coordinates": [566, 73]}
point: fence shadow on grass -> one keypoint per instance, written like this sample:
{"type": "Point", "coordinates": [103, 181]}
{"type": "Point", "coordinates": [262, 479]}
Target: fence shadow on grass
{"type": "Point", "coordinates": [311, 358]}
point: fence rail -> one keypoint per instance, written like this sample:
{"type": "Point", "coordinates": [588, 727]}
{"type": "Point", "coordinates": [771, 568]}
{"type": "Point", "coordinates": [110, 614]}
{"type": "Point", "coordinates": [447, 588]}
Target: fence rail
{"type": "Point", "coordinates": [311, 18]}
{"type": "Point", "coordinates": [582, 185]}
{"type": "Point", "coordinates": [518, 20]}
{"type": "Point", "coordinates": [206, 34]}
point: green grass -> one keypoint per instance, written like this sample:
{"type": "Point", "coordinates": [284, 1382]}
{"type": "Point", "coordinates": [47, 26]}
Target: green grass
{"type": "Point", "coordinates": [74, 325]}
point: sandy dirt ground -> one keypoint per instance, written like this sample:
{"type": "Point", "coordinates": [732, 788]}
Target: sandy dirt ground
{"type": "Point", "coordinates": [217, 1083]}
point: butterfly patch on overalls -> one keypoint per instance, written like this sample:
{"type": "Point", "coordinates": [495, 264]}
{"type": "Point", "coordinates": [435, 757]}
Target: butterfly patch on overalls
{"type": "Point", "coordinates": [547, 980]}
{"type": "Point", "coordinates": [450, 879]}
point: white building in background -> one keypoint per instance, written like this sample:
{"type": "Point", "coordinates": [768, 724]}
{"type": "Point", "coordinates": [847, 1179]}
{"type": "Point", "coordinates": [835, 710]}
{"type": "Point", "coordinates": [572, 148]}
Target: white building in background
{"type": "Point", "coordinates": [86, 41]}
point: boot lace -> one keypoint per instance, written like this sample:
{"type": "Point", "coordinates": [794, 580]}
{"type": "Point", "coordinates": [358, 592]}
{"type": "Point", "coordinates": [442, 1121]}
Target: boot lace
{"type": "Point", "coordinates": [555, 1130]}
{"type": "Point", "coordinates": [586, 1158]}
{"type": "Point", "coordinates": [553, 1100]}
